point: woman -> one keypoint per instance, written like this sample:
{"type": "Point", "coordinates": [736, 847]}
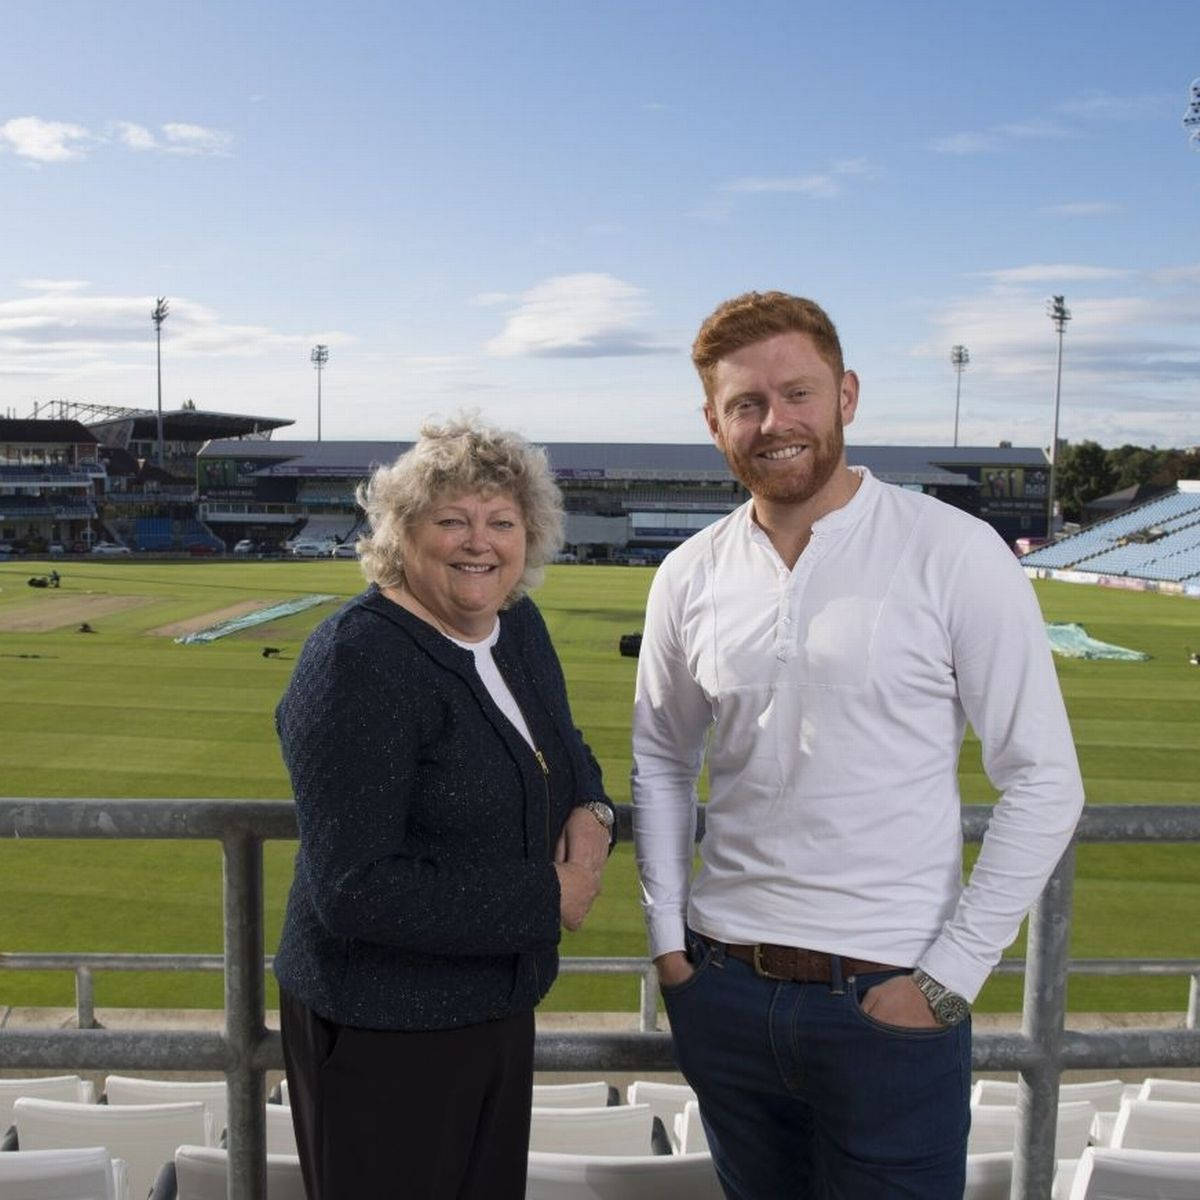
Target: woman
{"type": "Point", "coordinates": [451, 822]}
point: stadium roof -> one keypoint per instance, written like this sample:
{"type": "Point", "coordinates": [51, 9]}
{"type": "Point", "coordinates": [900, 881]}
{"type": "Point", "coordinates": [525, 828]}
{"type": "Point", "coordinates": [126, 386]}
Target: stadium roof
{"type": "Point", "coordinates": [627, 460]}
{"type": "Point", "coordinates": [189, 425]}
{"type": "Point", "coordinates": [14, 431]}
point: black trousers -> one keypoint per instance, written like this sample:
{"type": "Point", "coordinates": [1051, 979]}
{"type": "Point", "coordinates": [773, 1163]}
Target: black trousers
{"type": "Point", "coordinates": [438, 1115]}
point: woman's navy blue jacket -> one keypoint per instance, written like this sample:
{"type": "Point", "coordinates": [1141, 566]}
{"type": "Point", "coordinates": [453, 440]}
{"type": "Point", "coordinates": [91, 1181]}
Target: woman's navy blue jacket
{"type": "Point", "coordinates": [425, 895]}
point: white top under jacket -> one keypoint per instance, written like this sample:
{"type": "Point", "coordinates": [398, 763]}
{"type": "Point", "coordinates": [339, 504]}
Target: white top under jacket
{"type": "Point", "coordinates": [837, 695]}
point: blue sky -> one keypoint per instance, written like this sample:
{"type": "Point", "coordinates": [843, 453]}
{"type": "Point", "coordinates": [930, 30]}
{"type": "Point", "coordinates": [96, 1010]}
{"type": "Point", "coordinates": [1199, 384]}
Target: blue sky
{"type": "Point", "coordinates": [528, 208]}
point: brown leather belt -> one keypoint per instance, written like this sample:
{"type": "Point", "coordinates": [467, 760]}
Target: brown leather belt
{"type": "Point", "coordinates": [797, 965]}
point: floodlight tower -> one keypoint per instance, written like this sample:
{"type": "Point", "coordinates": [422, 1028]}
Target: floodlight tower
{"type": "Point", "coordinates": [158, 316]}
{"type": "Point", "coordinates": [319, 357]}
{"type": "Point", "coordinates": [959, 356]}
{"type": "Point", "coordinates": [1059, 314]}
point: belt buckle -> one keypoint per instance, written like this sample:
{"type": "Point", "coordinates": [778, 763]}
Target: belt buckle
{"type": "Point", "coordinates": [761, 970]}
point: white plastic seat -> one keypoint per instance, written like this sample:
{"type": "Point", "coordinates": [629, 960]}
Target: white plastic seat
{"type": "Point", "coordinates": [144, 1135]}
{"type": "Point", "coordinates": [994, 1128]}
{"type": "Point", "coordinates": [1115, 1174]}
{"type": "Point", "coordinates": [200, 1174]}
{"type": "Point", "coordinates": [1064, 1175]}
{"type": "Point", "coordinates": [1157, 1125]}
{"type": "Point", "coordinates": [1101, 1131]}
{"type": "Point", "coordinates": [1105, 1094]}
{"type": "Point", "coordinates": [84, 1173]}
{"type": "Point", "coordinates": [590, 1094]}
{"type": "Point", "coordinates": [690, 1137]}
{"type": "Point", "coordinates": [125, 1089]}
{"type": "Point", "coordinates": [48, 1087]}
{"type": "Point", "coordinates": [666, 1101]}
{"type": "Point", "coordinates": [623, 1129]}
{"type": "Point", "coordinates": [281, 1133]}
{"type": "Point", "coordinates": [989, 1176]}
{"type": "Point", "coordinates": [634, 1177]}
{"type": "Point", "coordinates": [1182, 1091]}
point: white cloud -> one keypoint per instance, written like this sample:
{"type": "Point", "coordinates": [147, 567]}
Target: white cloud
{"type": "Point", "coordinates": [1131, 364]}
{"type": "Point", "coordinates": [65, 328]}
{"type": "Point", "coordinates": [183, 138]}
{"type": "Point", "coordinates": [818, 187]}
{"type": "Point", "coordinates": [1188, 274]}
{"type": "Point", "coordinates": [53, 285]}
{"type": "Point", "coordinates": [1104, 106]}
{"type": "Point", "coordinates": [136, 137]}
{"type": "Point", "coordinates": [1036, 127]}
{"type": "Point", "coordinates": [1054, 273]}
{"type": "Point", "coordinates": [62, 141]}
{"type": "Point", "coordinates": [588, 315]}
{"type": "Point", "coordinates": [965, 143]}
{"type": "Point", "coordinates": [1083, 208]}
{"type": "Point", "coordinates": [43, 141]}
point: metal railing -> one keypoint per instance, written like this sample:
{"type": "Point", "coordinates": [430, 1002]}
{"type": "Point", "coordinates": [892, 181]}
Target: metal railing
{"type": "Point", "coordinates": [246, 1049]}
{"type": "Point", "coordinates": [84, 965]}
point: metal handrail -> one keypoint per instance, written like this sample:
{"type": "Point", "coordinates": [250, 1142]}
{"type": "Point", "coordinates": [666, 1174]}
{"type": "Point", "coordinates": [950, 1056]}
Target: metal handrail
{"type": "Point", "coordinates": [84, 963]}
{"type": "Point", "coordinates": [1041, 1051]}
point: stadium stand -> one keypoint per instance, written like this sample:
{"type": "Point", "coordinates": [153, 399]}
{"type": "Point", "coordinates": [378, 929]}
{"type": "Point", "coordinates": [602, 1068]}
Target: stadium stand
{"type": "Point", "coordinates": [77, 1174]}
{"type": "Point", "coordinates": [328, 528]}
{"type": "Point", "coordinates": [1159, 540]}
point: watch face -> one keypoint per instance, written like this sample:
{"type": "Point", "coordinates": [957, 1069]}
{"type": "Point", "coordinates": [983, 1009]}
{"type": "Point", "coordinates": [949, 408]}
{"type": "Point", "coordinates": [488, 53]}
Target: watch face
{"type": "Point", "coordinates": [951, 1009]}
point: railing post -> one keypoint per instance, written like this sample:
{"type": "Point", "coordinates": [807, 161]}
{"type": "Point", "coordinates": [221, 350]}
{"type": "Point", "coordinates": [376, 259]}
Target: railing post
{"type": "Point", "coordinates": [245, 1013]}
{"type": "Point", "coordinates": [85, 999]}
{"type": "Point", "coordinates": [1193, 1011]}
{"type": "Point", "coordinates": [1043, 1017]}
{"type": "Point", "coordinates": [649, 999]}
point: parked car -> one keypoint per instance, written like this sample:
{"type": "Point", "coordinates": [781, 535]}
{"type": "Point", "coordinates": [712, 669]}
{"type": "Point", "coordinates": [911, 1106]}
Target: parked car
{"type": "Point", "coordinates": [311, 549]}
{"type": "Point", "coordinates": [246, 546]}
{"type": "Point", "coordinates": [344, 550]}
{"type": "Point", "coordinates": [110, 548]}
{"type": "Point", "coordinates": [7, 548]}
{"type": "Point", "coordinates": [55, 549]}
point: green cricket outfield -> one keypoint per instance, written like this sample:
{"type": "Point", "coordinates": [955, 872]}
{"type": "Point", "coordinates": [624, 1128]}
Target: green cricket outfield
{"type": "Point", "coordinates": [126, 711]}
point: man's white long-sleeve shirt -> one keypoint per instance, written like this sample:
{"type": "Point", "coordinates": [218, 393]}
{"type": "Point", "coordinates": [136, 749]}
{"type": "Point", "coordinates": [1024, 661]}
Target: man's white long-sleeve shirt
{"type": "Point", "coordinates": [837, 695]}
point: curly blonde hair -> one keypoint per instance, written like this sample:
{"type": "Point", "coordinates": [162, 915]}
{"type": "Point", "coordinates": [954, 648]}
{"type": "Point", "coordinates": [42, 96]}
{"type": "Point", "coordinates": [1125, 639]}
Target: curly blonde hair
{"type": "Point", "coordinates": [462, 456]}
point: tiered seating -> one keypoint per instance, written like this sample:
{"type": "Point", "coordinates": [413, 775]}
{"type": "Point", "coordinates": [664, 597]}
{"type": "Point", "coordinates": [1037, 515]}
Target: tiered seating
{"type": "Point", "coordinates": [689, 1129]}
{"type": "Point", "coordinates": [196, 533]}
{"type": "Point", "coordinates": [634, 1177]}
{"type": "Point", "coordinates": [590, 1094]}
{"type": "Point", "coordinates": [45, 1087]}
{"type": "Point", "coordinates": [667, 1101]}
{"type": "Point", "coordinates": [989, 1176]}
{"type": "Point", "coordinates": [1096, 548]}
{"type": "Point", "coordinates": [1136, 1175]}
{"type": "Point", "coordinates": [994, 1128]}
{"type": "Point", "coordinates": [200, 1172]}
{"type": "Point", "coordinates": [124, 1089]}
{"type": "Point", "coordinates": [153, 533]}
{"type": "Point", "coordinates": [623, 1129]}
{"type": "Point", "coordinates": [144, 1135]}
{"type": "Point", "coordinates": [333, 528]}
{"type": "Point", "coordinates": [63, 1175]}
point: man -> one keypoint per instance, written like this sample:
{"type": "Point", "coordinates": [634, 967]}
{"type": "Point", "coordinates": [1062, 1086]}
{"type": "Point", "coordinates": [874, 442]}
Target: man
{"type": "Point", "coordinates": [831, 639]}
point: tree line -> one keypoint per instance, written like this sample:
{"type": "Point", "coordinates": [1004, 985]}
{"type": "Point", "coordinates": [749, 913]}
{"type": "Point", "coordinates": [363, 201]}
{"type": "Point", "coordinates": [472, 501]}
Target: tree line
{"type": "Point", "coordinates": [1085, 471]}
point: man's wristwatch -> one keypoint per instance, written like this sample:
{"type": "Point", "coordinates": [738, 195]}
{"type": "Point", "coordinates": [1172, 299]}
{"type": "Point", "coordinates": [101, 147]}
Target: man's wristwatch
{"type": "Point", "coordinates": [603, 813]}
{"type": "Point", "coordinates": [948, 1007]}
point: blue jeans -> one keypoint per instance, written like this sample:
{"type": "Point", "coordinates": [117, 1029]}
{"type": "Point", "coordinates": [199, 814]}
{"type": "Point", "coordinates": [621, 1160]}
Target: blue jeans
{"type": "Point", "coordinates": [803, 1095]}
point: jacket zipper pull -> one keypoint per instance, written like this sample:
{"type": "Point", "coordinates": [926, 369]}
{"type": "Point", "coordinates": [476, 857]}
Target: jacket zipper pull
{"type": "Point", "coordinates": [541, 762]}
